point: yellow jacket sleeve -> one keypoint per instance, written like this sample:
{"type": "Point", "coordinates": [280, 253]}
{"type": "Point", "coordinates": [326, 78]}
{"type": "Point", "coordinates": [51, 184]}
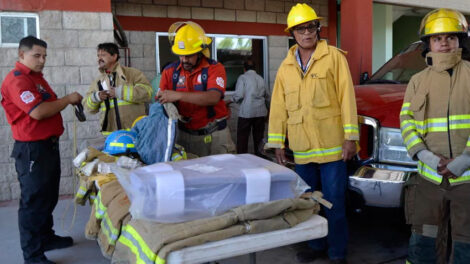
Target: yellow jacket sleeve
{"type": "Point", "coordinates": [346, 97]}
{"type": "Point", "coordinates": [91, 101]}
{"type": "Point", "coordinates": [408, 125]}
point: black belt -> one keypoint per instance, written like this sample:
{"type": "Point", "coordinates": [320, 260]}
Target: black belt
{"type": "Point", "coordinates": [52, 139]}
{"type": "Point", "coordinates": [209, 129]}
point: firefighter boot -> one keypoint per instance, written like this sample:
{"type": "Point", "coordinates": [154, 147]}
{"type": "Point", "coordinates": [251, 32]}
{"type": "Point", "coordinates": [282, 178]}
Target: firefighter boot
{"type": "Point", "coordinates": [39, 260]}
{"type": "Point", "coordinates": [57, 242]}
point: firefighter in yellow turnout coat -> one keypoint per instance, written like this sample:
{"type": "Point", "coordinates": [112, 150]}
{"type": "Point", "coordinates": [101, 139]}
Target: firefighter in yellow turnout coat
{"type": "Point", "coordinates": [128, 86]}
{"type": "Point", "coordinates": [435, 125]}
{"type": "Point", "coordinates": [313, 102]}
{"type": "Point", "coordinates": [317, 107]}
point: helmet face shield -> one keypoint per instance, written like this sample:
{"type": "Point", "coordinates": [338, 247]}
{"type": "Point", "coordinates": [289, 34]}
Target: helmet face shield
{"type": "Point", "coordinates": [172, 31]}
{"type": "Point", "coordinates": [443, 21]}
{"type": "Point", "coordinates": [187, 38]}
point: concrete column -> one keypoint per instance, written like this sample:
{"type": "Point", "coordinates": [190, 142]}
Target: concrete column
{"type": "Point", "coordinates": [356, 35]}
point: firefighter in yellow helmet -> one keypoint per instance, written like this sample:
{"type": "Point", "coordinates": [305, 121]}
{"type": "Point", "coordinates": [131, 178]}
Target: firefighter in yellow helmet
{"type": "Point", "coordinates": [313, 101]}
{"type": "Point", "coordinates": [197, 85]}
{"type": "Point", "coordinates": [435, 125]}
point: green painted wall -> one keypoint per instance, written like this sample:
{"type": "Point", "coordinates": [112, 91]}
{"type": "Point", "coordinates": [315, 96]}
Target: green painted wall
{"type": "Point", "coordinates": [405, 32]}
{"type": "Point", "coordinates": [382, 35]}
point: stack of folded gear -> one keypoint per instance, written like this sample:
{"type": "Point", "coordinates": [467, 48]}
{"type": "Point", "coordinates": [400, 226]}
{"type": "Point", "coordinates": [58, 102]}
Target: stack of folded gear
{"type": "Point", "coordinates": [143, 241]}
{"type": "Point", "coordinates": [142, 213]}
{"type": "Point", "coordinates": [99, 186]}
{"type": "Point", "coordinates": [187, 203]}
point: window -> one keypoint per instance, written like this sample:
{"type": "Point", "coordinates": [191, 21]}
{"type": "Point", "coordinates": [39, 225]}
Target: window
{"type": "Point", "coordinates": [15, 26]}
{"type": "Point", "coordinates": [230, 50]}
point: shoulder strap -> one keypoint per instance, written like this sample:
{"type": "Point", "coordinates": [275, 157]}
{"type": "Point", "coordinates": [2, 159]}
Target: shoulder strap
{"type": "Point", "coordinates": [176, 75]}
{"type": "Point", "coordinates": [116, 108]}
{"type": "Point", "coordinates": [204, 77]}
{"type": "Point", "coordinates": [106, 103]}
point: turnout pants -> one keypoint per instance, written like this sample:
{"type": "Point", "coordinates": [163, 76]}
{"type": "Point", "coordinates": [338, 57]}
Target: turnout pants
{"type": "Point", "coordinates": [330, 178]}
{"type": "Point", "coordinates": [38, 167]}
{"type": "Point", "coordinates": [244, 126]}
{"type": "Point", "coordinates": [431, 209]}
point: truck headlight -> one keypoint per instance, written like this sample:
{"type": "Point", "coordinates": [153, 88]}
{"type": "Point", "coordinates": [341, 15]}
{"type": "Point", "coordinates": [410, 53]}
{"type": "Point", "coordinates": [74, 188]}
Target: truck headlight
{"type": "Point", "coordinates": [391, 147]}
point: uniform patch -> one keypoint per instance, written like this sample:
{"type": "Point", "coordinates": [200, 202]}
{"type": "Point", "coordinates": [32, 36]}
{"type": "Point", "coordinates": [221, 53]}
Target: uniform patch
{"type": "Point", "coordinates": [27, 97]}
{"type": "Point", "coordinates": [181, 44]}
{"type": "Point", "coordinates": [17, 73]}
{"type": "Point", "coordinates": [220, 82]}
{"type": "Point", "coordinates": [181, 80]}
{"type": "Point", "coordinates": [199, 78]}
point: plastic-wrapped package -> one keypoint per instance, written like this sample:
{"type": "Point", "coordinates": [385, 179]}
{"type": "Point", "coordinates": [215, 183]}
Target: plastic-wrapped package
{"type": "Point", "coordinates": [198, 188]}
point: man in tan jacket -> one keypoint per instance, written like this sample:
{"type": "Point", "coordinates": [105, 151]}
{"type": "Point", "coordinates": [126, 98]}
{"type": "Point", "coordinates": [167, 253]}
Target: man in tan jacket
{"type": "Point", "coordinates": [119, 92]}
{"type": "Point", "coordinates": [435, 125]}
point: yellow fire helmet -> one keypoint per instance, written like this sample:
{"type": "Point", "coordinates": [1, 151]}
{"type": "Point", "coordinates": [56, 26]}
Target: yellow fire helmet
{"type": "Point", "coordinates": [443, 21]}
{"type": "Point", "coordinates": [187, 38]}
{"type": "Point", "coordinates": [300, 13]}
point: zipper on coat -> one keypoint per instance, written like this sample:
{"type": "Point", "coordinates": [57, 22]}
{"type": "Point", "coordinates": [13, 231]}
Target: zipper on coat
{"type": "Point", "coordinates": [448, 119]}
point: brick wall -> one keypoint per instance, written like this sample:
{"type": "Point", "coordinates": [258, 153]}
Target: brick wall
{"type": "Point", "coordinates": [71, 65]}
{"type": "Point", "coordinates": [263, 11]}
{"type": "Point", "coordinates": [142, 48]}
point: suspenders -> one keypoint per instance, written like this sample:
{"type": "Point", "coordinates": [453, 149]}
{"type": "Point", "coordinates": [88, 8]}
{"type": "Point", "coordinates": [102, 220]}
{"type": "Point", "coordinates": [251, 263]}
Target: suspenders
{"type": "Point", "coordinates": [204, 77]}
{"type": "Point", "coordinates": [112, 81]}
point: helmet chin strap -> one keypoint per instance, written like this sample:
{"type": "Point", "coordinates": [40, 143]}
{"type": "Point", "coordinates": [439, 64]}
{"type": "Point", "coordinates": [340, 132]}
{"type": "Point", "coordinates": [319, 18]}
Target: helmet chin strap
{"type": "Point", "coordinates": [199, 56]}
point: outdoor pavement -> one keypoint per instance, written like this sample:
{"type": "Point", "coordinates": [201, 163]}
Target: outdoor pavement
{"type": "Point", "coordinates": [376, 237]}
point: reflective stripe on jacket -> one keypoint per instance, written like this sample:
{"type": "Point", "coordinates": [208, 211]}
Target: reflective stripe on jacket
{"type": "Point", "coordinates": [436, 116]}
{"type": "Point", "coordinates": [133, 90]}
{"type": "Point", "coordinates": [317, 108]}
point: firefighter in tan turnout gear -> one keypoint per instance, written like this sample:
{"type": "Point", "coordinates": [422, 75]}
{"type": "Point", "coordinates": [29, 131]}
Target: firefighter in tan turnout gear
{"type": "Point", "coordinates": [435, 125]}
{"type": "Point", "coordinates": [120, 92]}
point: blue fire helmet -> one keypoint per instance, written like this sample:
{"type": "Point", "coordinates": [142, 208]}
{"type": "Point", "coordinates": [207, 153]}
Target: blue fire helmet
{"type": "Point", "coordinates": [120, 142]}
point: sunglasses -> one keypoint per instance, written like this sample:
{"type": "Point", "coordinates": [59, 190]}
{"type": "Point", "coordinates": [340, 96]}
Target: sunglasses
{"type": "Point", "coordinates": [311, 28]}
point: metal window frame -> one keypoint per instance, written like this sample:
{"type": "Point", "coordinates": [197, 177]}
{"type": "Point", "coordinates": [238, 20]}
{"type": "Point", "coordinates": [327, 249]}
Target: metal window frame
{"type": "Point", "coordinates": [18, 15]}
{"type": "Point", "coordinates": [214, 51]}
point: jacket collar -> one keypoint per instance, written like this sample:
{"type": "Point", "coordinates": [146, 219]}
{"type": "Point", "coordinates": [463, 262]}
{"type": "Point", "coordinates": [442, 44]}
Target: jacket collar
{"type": "Point", "coordinates": [320, 51]}
{"type": "Point", "coordinates": [25, 69]}
{"type": "Point", "coordinates": [440, 62]}
{"type": "Point", "coordinates": [117, 69]}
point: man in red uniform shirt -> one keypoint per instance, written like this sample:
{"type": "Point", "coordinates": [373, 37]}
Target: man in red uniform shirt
{"type": "Point", "coordinates": [197, 85]}
{"type": "Point", "coordinates": [33, 111]}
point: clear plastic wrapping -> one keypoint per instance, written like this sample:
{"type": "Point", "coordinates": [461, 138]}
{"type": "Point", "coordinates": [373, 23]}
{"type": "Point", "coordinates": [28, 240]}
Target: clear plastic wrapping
{"type": "Point", "coordinates": [204, 187]}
